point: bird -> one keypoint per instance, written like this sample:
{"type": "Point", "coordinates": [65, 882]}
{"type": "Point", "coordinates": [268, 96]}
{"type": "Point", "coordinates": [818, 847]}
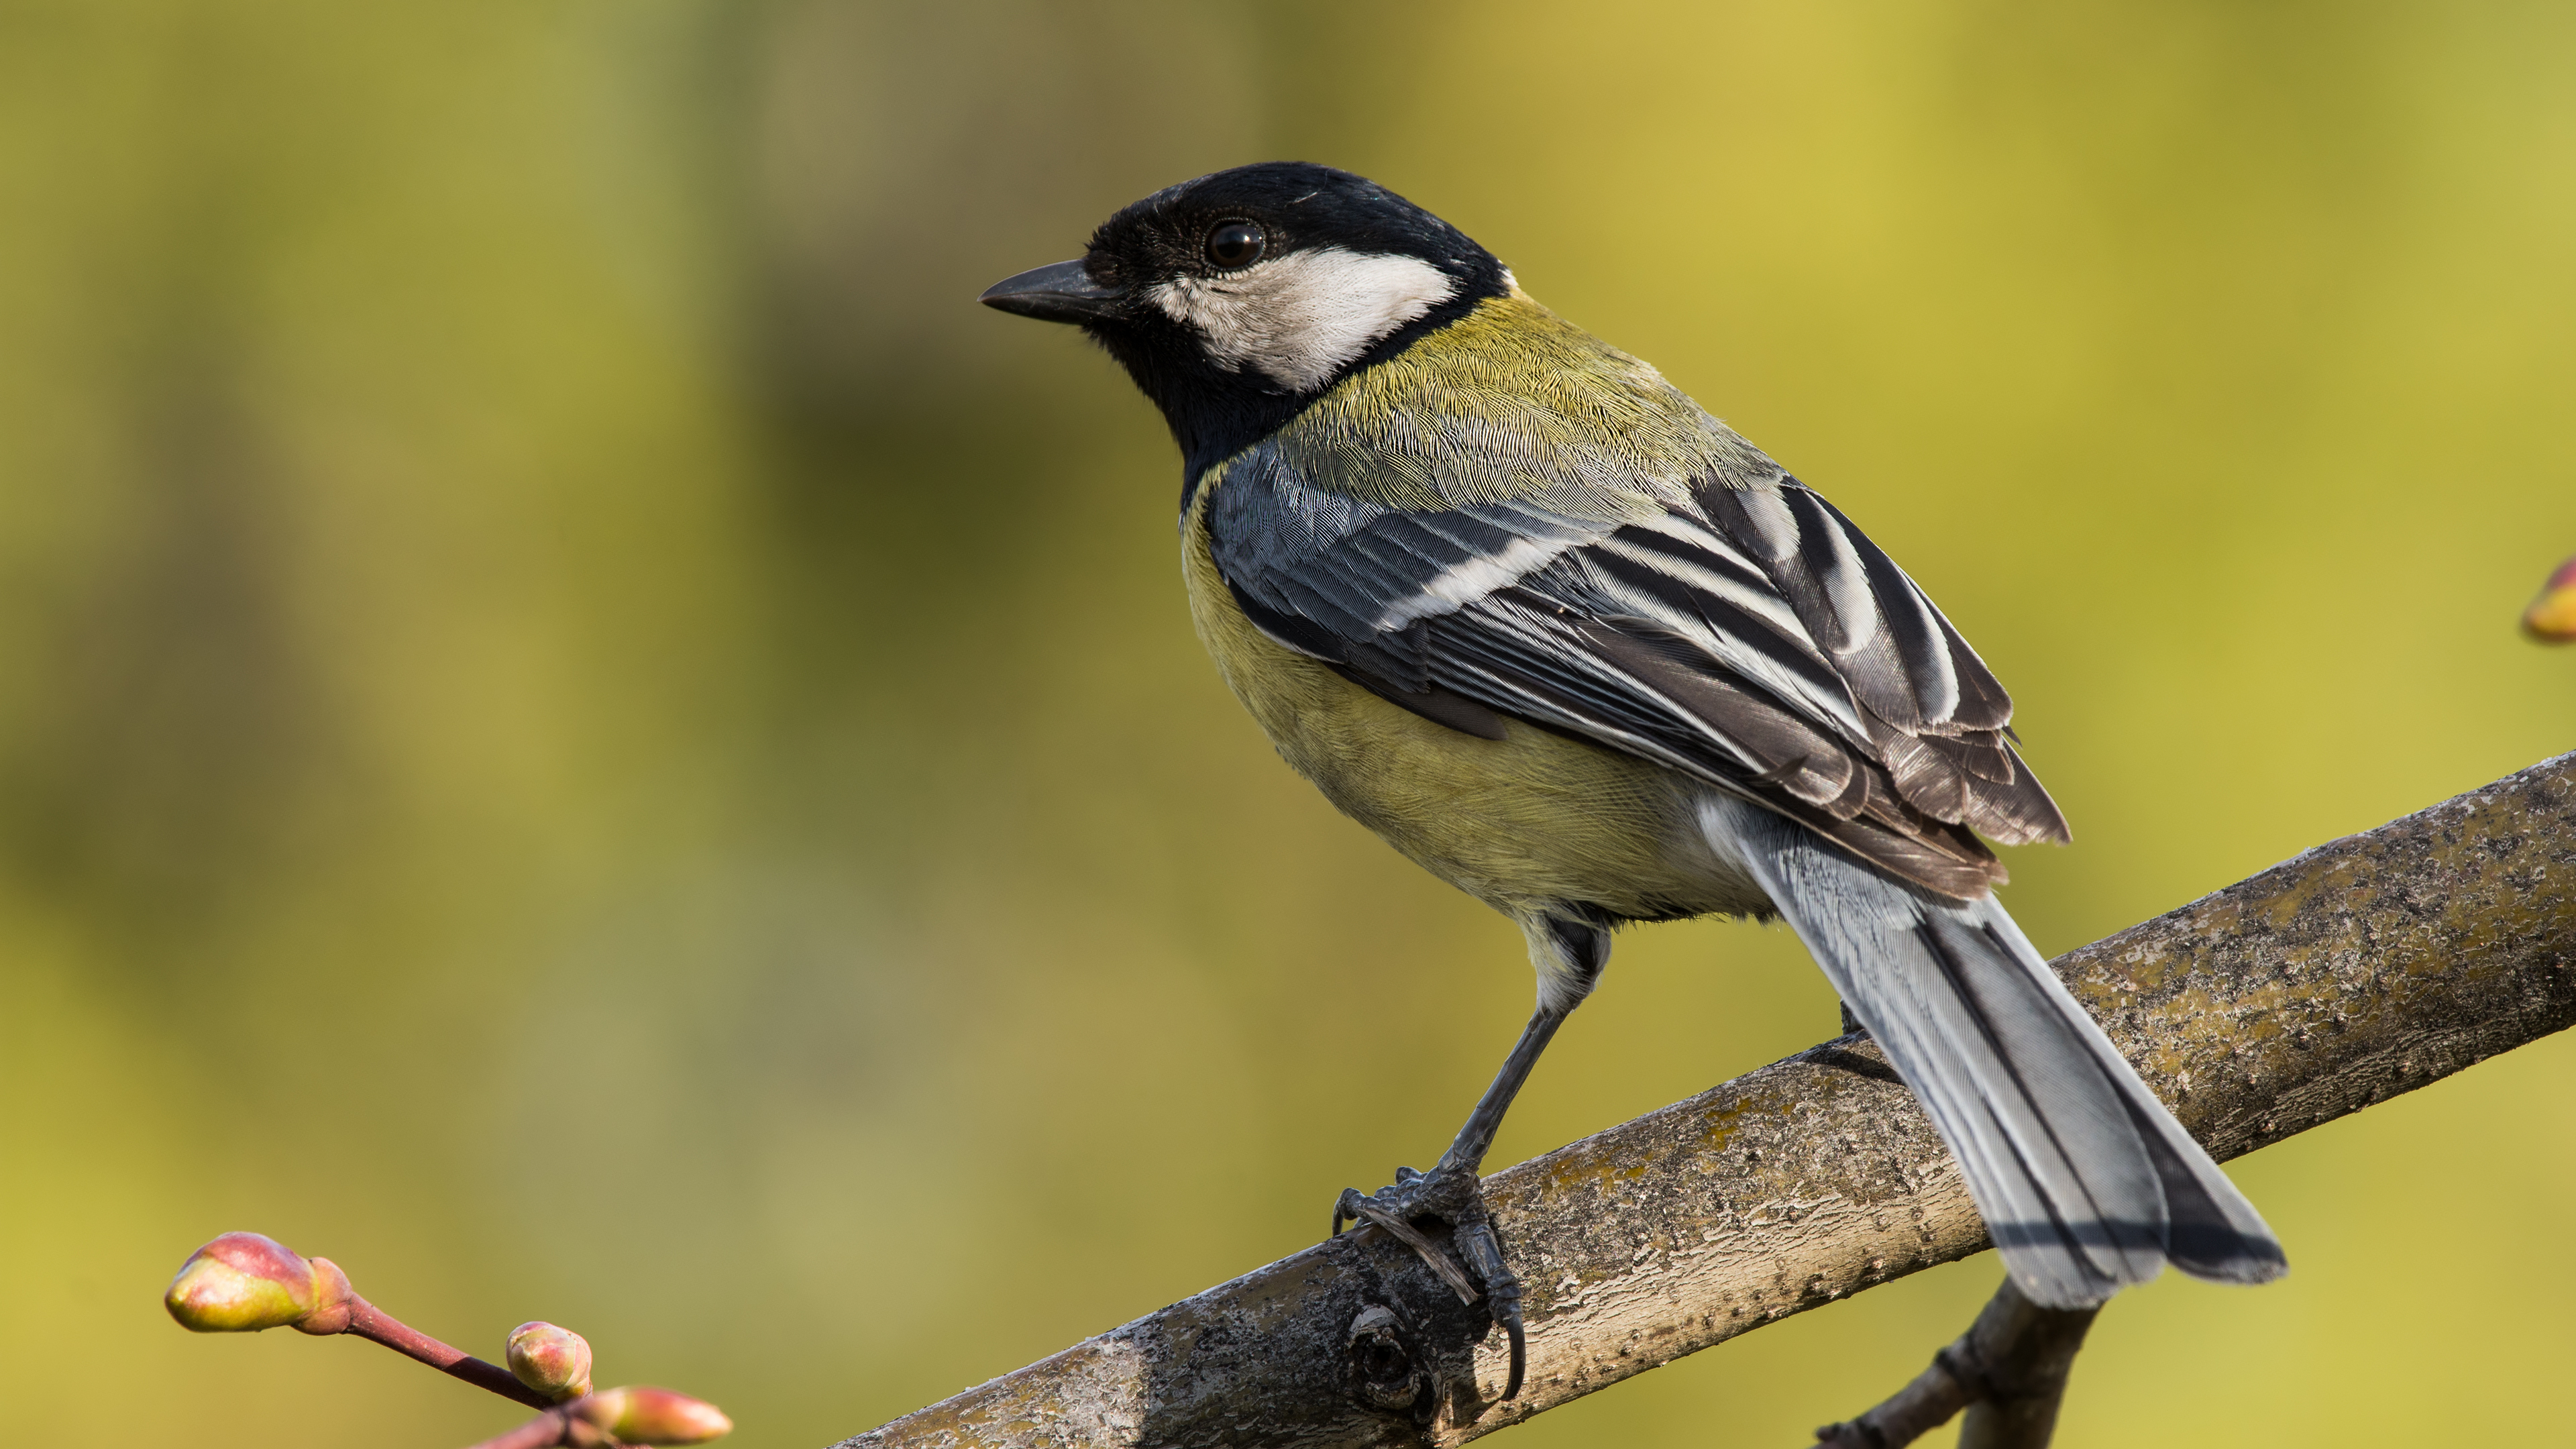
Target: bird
{"type": "Point", "coordinates": [1521, 607]}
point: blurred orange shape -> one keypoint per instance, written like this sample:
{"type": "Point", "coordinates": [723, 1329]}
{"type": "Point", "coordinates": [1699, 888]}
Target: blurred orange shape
{"type": "Point", "coordinates": [2551, 619]}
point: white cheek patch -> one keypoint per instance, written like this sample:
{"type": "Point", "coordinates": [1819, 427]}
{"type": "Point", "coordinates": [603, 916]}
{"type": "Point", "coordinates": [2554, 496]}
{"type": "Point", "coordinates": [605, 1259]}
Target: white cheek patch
{"type": "Point", "coordinates": [1300, 317]}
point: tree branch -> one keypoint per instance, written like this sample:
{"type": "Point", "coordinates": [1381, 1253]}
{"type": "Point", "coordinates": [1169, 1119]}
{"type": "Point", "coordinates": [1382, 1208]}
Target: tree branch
{"type": "Point", "coordinates": [2008, 1371]}
{"type": "Point", "coordinates": [2361, 969]}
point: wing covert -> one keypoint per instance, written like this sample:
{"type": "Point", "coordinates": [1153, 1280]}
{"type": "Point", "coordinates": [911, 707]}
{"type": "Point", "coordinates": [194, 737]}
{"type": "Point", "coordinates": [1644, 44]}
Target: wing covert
{"type": "Point", "coordinates": [1748, 636]}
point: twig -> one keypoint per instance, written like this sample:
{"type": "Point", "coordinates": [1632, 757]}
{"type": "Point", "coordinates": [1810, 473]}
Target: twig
{"type": "Point", "coordinates": [250, 1283]}
{"type": "Point", "coordinates": [377, 1326]}
{"type": "Point", "coordinates": [2359, 970]}
{"type": "Point", "coordinates": [2009, 1371]}
{"type": "Point", "coordinates": [616, 1417]}
{"type": "Point", "coordinates": [542, 1432]}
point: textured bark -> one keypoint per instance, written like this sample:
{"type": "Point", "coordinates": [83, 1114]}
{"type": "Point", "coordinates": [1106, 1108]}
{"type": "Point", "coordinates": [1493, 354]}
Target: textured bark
{"type": "Point", "coordinates": [2361, 969]}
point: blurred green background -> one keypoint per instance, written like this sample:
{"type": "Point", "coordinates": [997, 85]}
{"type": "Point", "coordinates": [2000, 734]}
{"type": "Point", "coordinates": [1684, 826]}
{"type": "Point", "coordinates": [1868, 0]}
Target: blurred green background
{"type": "Point", "coordinates": [582, 733]}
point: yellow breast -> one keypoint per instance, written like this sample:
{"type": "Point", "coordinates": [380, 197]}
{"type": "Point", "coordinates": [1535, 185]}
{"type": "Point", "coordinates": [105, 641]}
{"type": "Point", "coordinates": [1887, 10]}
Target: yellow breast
{"type": "Point", "coordinates": [1521, 823]}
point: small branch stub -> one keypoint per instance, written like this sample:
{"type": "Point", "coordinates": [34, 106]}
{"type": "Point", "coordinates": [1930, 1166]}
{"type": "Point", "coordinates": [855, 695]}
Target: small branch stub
{"type": "Point", "coordinates": [1387, 1373]}
{"type": "Point", "coordinates": [2009, 1371]}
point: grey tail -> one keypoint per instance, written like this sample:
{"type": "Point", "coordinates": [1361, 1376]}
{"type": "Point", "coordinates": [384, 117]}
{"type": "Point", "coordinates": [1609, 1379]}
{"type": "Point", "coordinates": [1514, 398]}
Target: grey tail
{"type": "Point", "coordinates": [2086, 1182]}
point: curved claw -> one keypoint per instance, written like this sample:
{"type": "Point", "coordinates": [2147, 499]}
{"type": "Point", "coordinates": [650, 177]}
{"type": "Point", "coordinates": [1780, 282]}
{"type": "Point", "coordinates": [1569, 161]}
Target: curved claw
{"type": "Point", "coordinates": [1345, 1209]}
{"type": "Point", "coordinates": [1502, 1294]}
{"type": "Point", "coordinates": [1510, 1316]}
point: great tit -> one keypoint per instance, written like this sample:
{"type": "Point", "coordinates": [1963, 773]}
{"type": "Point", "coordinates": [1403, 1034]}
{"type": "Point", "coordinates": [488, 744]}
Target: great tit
{"type": "Point", "coordinates": [1515, 603]}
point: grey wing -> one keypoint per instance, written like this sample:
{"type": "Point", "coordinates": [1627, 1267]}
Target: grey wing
{"type": "Point", "coordinates": [1749, 637]}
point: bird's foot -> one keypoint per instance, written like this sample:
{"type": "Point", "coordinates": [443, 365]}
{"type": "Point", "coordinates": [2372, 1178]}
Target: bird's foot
{"type": "Point", "coordinates": [1450, 1195]}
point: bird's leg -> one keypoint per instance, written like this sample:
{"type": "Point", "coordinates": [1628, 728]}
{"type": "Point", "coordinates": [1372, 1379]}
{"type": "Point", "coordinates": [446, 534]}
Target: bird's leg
{"type": "Point", "coordinates": [1449, 1192]}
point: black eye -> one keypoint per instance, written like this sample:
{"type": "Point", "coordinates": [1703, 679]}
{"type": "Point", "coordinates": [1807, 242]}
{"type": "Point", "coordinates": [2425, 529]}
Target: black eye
{"type": "Point", "coordinates": [1235, 244]}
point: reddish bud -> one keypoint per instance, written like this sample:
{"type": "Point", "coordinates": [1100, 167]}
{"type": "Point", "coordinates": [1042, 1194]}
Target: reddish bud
{"type": "Point", "coordinates": [551, 1360]}
{"type": "Point", "coordinates": [245, 1282]}
{"type": "Point", "coordinates": [2551, 619]}
{"type": "Point", "coordinates": [652, 1416]}
{"type": "Point", "coordinates": [334, 1301]}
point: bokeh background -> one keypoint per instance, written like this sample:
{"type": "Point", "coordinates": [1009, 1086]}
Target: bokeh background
{"type": "Point", "coordinates": [581, 732]}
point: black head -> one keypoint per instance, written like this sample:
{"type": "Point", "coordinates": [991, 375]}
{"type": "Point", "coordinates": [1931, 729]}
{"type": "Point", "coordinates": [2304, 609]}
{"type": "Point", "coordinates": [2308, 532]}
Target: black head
{"type": "Point", "coordinates": [1235, 299]}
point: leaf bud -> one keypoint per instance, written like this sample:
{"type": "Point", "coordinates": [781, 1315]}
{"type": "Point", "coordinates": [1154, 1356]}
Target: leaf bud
{"type": "Point", "coordinates": [246, 1282]}
{"type": "Point", "coordinates": [2551, 619]}
{"type": "Point", "coordinates": [553, 1361]}
{"type": "Point", "coordinates": [652, 1416]}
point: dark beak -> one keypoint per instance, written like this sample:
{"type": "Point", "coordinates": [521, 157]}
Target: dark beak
{"type": "Point", "coordinates": [1060, 293]}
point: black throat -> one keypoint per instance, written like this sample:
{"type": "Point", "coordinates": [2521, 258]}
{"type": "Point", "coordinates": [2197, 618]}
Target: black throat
{"type": "Point", "coordinates": [1214, 410]}
{"type": "Point", "coordinates": [1215, 413]}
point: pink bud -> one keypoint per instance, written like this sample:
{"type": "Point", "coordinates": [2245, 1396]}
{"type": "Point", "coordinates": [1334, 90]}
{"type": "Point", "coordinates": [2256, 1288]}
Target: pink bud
{"type": "Point", "coordinates": [652, 1416]}
{"type": "Point", "coordinates": [2551, 619]}
{"type": "Point", "coordinates": [245, 1282]}
{"type": "Point", "coordinates": [334, 1302]}
{"type": "Point", "coordinates": [551, 1360]}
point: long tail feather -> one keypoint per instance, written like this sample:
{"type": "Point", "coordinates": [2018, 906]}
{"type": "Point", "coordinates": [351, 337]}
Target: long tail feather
{"type": "Point", "coordinates": [2086, 1182]}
